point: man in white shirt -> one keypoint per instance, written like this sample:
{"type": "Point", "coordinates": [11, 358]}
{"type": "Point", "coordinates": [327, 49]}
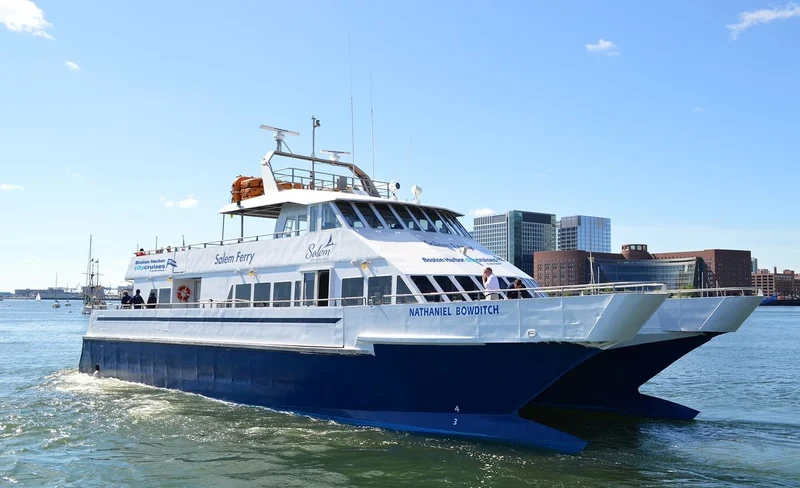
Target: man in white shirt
{"type": "Point", "coordinates": [491, 285]}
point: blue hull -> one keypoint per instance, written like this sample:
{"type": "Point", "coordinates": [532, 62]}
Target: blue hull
{"type": "Point", "coordinates": [472, 391]}
{"type": "Point", "coordinates": [609, 382]}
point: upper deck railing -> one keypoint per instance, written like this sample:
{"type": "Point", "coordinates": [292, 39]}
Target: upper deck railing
{"type": "Point", "coordinates": [302, 178]}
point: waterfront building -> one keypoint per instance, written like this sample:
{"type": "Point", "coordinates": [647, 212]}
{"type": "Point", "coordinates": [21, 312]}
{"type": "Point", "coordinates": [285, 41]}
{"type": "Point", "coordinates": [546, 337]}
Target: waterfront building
{"type": "Point", "coordinates": [688, 269]}
{"type": "Point", "coordinates": [516, 235]}
{"type": "Point", "coordinates": [784, 285]}
{"type": "Point", "coordinates": [584, 233]}
{"type": "Point", "coordinates": [754, 267]}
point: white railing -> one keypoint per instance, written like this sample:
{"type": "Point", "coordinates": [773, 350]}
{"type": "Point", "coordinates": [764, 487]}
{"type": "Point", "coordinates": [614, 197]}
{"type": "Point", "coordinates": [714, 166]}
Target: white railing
{"type": "Point", "coordinates": [453, 296]}
{"type": "Point", "coordinates": [221, 242]}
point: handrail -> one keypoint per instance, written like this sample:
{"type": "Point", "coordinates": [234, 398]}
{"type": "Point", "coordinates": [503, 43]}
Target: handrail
{"type": "Point", "coordinates": [725, 291]}
{"type": "Point", "coordinates": [222, 242]}
{"type": "Point", "coordinates": [537, 293]}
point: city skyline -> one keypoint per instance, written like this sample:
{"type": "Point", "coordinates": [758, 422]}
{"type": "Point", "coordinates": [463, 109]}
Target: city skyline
{"type": "Point", "coordinates": [127, 136]}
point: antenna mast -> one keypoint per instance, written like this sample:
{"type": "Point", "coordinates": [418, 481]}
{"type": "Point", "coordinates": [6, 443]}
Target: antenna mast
{"type": "Point", "coordinates": [372, 125]}
{"type": "Point", "coordinates": [352, 117]}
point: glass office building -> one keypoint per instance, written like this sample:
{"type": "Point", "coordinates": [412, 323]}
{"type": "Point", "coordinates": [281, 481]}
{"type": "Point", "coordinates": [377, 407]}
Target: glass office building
{"type": "Point", "coordinates": [676, 273]}
{"type": "Point", "coordinates": [584, 233]}
{"type": "Point", "coordinates": [516, 235]}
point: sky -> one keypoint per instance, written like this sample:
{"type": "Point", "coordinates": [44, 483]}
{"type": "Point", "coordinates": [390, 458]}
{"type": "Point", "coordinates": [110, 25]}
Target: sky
{"type": "Point", "coordinates": [128, 120]}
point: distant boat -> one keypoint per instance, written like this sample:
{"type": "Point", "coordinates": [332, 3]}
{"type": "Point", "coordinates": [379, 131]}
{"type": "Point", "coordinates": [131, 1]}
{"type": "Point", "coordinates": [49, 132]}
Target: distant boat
{"type": "Point", "coordinates": [38, 298]}
{"type": "Point", "coordinates": [67, 304]}
{"type": "Point", "coordinates": [55, 293]}
{"type": "Point", "coordinates": [93, 299]}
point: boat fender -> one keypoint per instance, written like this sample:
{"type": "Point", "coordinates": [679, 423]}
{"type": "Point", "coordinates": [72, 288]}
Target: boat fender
{"type": "Point", "coordinates": [183, 294]}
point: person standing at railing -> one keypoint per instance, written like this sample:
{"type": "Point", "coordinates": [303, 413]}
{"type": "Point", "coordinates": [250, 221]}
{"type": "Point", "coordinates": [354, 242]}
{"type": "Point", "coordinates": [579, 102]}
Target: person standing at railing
{"type": "Point", "coordinates": [151, 300]}
{"type": "Point", "coordinates": [126, 300]}
{"type": "Point", "coordinates": [491, 284]}
{"type": "Point", "coordinates": [137, 301]}
{"type": "Point", "coordinates": [513, 290]}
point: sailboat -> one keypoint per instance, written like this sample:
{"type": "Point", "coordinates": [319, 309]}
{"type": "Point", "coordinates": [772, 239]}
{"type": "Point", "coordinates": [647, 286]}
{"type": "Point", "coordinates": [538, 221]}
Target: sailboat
{"type": "Point", "coordinates": [56, 304]}
{"type": "Point", "coordinates": [38, 297]}
{"type": "Point", "coordinates": [92, 293]}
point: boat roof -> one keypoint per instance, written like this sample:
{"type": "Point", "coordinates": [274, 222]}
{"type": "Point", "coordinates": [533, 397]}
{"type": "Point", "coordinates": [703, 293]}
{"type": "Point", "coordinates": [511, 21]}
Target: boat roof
{"type": "Point", "coordinates": [269, 206]}
{"type": "Point", "coordinates": [307, 182]}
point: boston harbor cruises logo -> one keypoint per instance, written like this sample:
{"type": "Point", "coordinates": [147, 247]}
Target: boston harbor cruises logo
{"type": "Point", "coordinates": [319, 252]}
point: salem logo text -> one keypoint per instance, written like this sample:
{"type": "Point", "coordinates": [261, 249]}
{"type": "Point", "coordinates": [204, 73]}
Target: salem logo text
{"type": "Point", "coordinates": [316, 252]}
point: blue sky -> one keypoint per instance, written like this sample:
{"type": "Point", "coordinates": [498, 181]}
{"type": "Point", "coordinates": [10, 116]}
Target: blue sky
{"type": "Point", "coordinates": [129, 120]}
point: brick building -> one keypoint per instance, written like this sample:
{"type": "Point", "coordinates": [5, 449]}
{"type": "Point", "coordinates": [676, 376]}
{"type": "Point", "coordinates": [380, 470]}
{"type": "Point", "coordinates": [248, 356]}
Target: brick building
{"type": "Point", "coordinates": [689, 269]}
{"type": "Point", "coordinates": [785, 285]}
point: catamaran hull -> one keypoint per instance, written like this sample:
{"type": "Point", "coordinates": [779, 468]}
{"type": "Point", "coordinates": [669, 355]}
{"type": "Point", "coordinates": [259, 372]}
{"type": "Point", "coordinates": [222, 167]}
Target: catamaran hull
{"type": "Point", "coordinates": [609, 381]}
{"type": "Point", "coordinates": [460, 390]}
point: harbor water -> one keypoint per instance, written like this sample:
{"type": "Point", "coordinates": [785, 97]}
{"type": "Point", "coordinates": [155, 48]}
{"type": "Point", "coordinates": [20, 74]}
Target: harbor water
{"type": "Point", "coordinates": [62, 428]}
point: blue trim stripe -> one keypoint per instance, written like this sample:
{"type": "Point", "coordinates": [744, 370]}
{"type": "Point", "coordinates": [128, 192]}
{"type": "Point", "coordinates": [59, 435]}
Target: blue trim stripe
{"type": "Point", "coordinates": [249, 320]}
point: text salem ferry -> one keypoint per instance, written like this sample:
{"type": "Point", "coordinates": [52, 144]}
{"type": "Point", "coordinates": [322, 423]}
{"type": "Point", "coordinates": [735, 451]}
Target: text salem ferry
{"type": "Point", "coordinates": [371, 311]}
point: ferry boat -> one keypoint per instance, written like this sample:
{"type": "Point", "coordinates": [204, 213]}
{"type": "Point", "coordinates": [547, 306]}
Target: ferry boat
{"type": "Point", "coordinates": [361, 308]}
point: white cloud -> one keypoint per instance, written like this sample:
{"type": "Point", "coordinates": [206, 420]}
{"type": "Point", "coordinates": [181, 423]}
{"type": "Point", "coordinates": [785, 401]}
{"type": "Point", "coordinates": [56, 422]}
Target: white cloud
{"type": "Point", "coordinates": [763, 16]}
{"type": "Point", "coordinates": [24, 16]}
{"type": "Point", "coordinates": [9, 187]}
{"type": "Point", "coordinates": [188, 202]}
{"type": "Point", "coordinates": [482, 212]}
{"type": "Point", "coordinates": [72, 66]}
{"type": "Point", "coordinates": [698, 109]}
{"type": "Point", "coordinates": [167, 203]}
{"type": "Point", "coordinates": [602, 46]}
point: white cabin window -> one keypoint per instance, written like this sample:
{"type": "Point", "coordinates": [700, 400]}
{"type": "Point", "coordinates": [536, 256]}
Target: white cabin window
{"type": "Point", "coordinates": [313, 218]}
{"type": "Point", "coordinates": [426, 287]}
{"type": "Point", "coordinates": [261, 294]}
{"type": "Point", "coordinates": [406, 217]}
{"type": "Point", "coordinates": [164, 295]}
{"type": "Point", "coordinates": [297, 293]}
{"type": "Point", "coordinates": [448, 286]}
{"type": "Point", "coordinates": [352, 291]}
{"type": "Point", "coordinates": [426, 224]}
{"type": "Point", "coordinates": [401, 288]}
{"type": "Point", "coordinates": [388, 216]}
{"type": "Point", "coordinates": [350, 215]}
{"type": "Point", "coordinates": [243, 295]}
{"type": "Point", "coordinates": [468, 284]}
{"type": "Point", "coordinates": [282, 294]}
{"type": "Point", "coordinates": [370, 217]}
{"type": "Point", "coordinates": [288, 227]}
{"type": "Point", "coordinates": [379, 287]}
{"type": "Point", "coordinates": [302, 224]}
{"type": "Point", "coordinates": [438, 223]}
{"type": "Point", "coordinates": [309, 283]}
{"type": "Point", "coordinates": [329, 220]}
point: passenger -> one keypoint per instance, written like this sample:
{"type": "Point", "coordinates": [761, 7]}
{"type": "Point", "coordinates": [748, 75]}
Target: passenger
{"type": "Point", "coordinates": [491, 285]}
{"type": "Point", "coordinates": [169, 248]}
{"type": "Point", "coordinates": [126, 300]}
{"type": "Point", "coordinates": [513, 292]}
{"type": "Point", "coordinates": [141, 252]}
{"type": "Point", "coordinates": [137, 301]}
{"type": "Point", "coordinates": [151, 300]}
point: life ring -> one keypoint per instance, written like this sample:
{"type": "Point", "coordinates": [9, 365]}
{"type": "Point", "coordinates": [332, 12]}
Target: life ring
{"type": "Point", "coordinates": [184, 293]}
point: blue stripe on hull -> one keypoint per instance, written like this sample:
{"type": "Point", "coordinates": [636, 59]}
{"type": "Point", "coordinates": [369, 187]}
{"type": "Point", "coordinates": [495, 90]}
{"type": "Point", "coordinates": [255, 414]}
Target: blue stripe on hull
{"type": "Point", "coordinates": [421, 388]}
{"type": "Point", "coordinates": [609, 382]}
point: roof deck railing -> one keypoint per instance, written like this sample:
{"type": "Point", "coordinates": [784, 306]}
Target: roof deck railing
{"type": "Point", "coordinates": [302, 178]}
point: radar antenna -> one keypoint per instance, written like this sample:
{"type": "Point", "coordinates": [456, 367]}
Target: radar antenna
{"type": "Point", "coordinates": [279, 135]}
{"type": "Point", "coordinates": [335, 155]}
